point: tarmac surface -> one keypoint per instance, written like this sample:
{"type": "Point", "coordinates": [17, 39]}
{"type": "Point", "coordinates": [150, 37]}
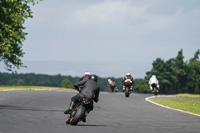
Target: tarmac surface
{"type": "Point", "coordinates": [26, 111]}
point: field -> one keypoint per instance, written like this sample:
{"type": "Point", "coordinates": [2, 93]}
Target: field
{"type": "Point", "coordinates": [30, 88]}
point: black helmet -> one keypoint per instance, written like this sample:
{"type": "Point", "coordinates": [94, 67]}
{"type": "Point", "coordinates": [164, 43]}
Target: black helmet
{"type": "Point", "coordinates": [93, 77]}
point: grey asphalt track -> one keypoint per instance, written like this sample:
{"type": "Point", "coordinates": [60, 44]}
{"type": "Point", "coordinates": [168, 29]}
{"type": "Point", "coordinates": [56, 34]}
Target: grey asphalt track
{"type": "Point", "coordinates": [42, 112]}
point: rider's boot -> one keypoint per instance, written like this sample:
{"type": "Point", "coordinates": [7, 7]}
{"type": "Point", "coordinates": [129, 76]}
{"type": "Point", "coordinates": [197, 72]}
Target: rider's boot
{"type": "Point", "coordinates": [123, 89]}
{"type": "Point", "coordinates": [86, 113]}
{"type": "Point", "coordinates": [70, 108]}
{"type": "Point", "coordinates": [84, 119]}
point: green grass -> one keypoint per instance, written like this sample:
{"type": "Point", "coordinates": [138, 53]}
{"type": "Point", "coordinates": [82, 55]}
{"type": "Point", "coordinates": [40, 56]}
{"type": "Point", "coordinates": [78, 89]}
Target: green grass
{"type": "Point", "coordinates": [185, 105]}
{"type": "Point", "coordinates": [30, 88]}
{"type": "Point", "coordinates": [187, 95]}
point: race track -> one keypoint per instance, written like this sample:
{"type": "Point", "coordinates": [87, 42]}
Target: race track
{"type": "Point", "coordinates": [42, 112]}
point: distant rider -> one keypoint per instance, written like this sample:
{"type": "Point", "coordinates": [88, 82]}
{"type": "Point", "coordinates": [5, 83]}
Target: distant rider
{"type": "Point", "coordinates": [89, 90]}
{"type": "Point", "coordinates": [153, 82]}
{"type": "Point", "coordinates": [128, 76]}
{"type": "Point", "coordinates": [112, 86]}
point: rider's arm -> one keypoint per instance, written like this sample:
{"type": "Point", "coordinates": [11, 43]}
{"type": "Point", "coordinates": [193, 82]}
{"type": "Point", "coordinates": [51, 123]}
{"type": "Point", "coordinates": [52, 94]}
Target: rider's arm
{"type": "Point", "coordinates": [82, 82]}
{"type": "Point", "coordinates": [123, 79]}
{"type": "Point", "coordinates": [81, 78]}
{"type": "Point", "coordinates": [133, 83]}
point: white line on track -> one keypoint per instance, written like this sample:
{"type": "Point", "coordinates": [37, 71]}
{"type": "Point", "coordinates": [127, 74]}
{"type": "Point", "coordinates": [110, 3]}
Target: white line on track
{"type": "Point", "coordinates": [147, 99]}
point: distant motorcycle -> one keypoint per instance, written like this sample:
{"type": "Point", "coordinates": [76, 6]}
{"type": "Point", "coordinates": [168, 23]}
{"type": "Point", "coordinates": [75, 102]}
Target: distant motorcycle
{"type": "Point", "coordinates": [79, 112]}
{"type": "Point", "coordinates": [112, 87]}
{"type": "Point", "coordinates": [128, 84]}
{"type": "Point", "coordinates": [155, 89]}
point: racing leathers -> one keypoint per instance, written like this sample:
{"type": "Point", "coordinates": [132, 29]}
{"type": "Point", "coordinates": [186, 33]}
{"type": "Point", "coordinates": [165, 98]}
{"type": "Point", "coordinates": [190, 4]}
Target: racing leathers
{"type": "Point", "coordinates": [90, 90]}
{"type": "Point", "coordinates": [153, 82]}
{"type": "Point", "coordinates": [125, 78]}
{"type": "Point", "coordinates": [112, 86]}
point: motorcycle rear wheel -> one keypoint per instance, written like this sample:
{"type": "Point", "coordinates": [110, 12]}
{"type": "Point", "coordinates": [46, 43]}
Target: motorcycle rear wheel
{"type": "Point", "coordinates": [155, 91]}
{"type": "Point", "coordinates": [78, 116]}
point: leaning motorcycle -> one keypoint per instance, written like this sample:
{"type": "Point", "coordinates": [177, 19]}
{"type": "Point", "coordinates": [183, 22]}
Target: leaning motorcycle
{"type": "Point", "coordinates": [128, 84]}
{"type": "Point", "coordinates": [112, 87]}
{"type": "Point", "coordinates": [154, 89]}
{"type": "Point", "coordinates": [79, 112]}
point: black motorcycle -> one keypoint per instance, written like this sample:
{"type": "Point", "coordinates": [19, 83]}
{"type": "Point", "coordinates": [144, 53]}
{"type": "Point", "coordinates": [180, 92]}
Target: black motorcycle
{"type": "Point", "coordinates": [128, 84]}
{"type": "Point", "coordinates": [79, 112]}
{"type": "Point", "coordinates": [155, 89]}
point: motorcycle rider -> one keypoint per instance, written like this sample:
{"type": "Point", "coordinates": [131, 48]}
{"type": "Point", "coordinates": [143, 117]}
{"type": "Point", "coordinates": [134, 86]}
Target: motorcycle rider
{"type": "Point", "coordinates": [89, 90]}
{"type": "Point", "coordinates": [79, 88]}
{"type": "Point", "coordinates": [153, 82]}
{"type": "Point", "coordinates": [128, 76]}
{"type": "Point", "coordinates": [112, 86]}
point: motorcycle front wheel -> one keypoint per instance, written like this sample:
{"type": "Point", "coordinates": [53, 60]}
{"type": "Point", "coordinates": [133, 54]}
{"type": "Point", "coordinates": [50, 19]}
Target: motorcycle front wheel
{"type": "Point", "coordinates": [127, 92]}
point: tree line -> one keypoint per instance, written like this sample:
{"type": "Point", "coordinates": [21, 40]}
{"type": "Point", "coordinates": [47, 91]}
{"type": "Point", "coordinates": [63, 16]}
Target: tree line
{"type": "Point", "coordinates": [175, 75]}
{"type": "Point", "coordinates": [32, 79]}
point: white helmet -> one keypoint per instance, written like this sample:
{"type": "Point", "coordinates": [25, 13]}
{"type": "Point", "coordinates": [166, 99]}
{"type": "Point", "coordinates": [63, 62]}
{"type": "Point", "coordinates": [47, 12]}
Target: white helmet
{"type": "Point", "coordinates": [87, 73]}
{"type": "Point", "coordinates": [109, 80]}
{"type": "Point", "coordinates": [128, 73]}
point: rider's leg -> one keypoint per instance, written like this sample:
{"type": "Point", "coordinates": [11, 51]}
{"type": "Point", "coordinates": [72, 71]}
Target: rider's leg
{"type": "Point", "coordinates": [72, 104]}
{"type": "Point", "coordinates": [74, 100]}
{"type": "Point", "coordinates": [151, 88]}
{"type": "Point", "coordinates": [90, 108]}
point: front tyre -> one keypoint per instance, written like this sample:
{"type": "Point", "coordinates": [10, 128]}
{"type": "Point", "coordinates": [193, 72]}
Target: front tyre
{"type": "Point", "coordinates": [78, 116]}
{"type": "Point", "coordinates": [127, 92]}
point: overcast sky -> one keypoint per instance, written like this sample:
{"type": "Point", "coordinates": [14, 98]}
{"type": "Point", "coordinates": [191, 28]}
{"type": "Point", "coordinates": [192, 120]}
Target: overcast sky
{"type": "Point", "coordinates": [109, 37]}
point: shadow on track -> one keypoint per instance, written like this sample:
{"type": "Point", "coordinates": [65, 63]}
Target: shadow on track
{"type": "Point", "coordinates": [88, 125]}
{"type": "Point", "coordinates": [11, 107]}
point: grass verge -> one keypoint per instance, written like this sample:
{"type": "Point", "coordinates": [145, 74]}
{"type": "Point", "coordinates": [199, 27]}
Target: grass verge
{"type": "Point", "coordinates": [185, 105]}
{"type": "Point", "coordinates": [30, 88]}
{"type": "Point", "coordinates": [187, 95]}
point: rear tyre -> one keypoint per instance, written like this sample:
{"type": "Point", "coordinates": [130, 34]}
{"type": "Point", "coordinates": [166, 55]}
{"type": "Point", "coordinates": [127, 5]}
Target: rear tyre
{"type": "Point", "coordinates": [155, 91]}
{"type": "Point", "coordinates": [78, 116]}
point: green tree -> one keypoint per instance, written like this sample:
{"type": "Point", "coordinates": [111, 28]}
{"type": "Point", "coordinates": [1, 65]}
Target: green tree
{"type": "Point", "coordinates": [20, 82]}
{"type": "Point", "coordinates": [66, 83]}
{"type": "Point", "coordinates": [179, 70]}
{"type": "Point", "coordinates": [142, 86]}
{"type": "Point", "coordinates": [193, 74]}
{"type": "Point", "coordinates": [13, 14]}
